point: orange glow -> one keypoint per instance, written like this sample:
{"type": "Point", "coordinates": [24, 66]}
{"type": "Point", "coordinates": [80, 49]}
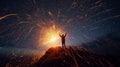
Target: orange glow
{"type": "Point", "coordinates": [50, 36]}
{"type": "Point", "coordinates": [53, 39]}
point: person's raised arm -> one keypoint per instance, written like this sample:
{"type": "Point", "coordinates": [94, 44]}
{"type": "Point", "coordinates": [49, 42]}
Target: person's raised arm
{"type": "Point", "coordinates": [60, 35]}
{"type": "Point", "coordinates": [65, 34]}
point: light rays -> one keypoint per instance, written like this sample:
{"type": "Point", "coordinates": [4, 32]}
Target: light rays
{"type": "Point", "coordinates": [78, 15]}
{"type": "Point", "coordinates": [5, 16]}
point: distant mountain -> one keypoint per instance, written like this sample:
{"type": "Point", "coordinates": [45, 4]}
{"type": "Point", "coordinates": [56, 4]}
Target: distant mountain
{"type": "Point", "coordinates": [107, 45]}
{"type": "Point", "coordinates": [75, 57]}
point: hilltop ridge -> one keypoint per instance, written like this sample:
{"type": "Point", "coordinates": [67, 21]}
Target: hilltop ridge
{"type": "Point", "coordinates": [74, 57]}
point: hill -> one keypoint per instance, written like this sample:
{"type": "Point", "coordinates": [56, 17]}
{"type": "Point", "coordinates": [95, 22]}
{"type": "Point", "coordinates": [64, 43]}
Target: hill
{"type": "Point", "coordinates": [105, 45]}
{"type": "Point", "coordinates": [75, 57]}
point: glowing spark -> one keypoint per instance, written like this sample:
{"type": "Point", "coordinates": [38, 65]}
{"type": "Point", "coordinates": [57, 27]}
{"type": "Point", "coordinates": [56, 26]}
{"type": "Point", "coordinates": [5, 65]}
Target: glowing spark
{"type": "Point", "coordinates": [3, 17]}
{"type": "Point", "coordinates": [108, 18]}
{"type": "Point", "coordinates": [50, 13]}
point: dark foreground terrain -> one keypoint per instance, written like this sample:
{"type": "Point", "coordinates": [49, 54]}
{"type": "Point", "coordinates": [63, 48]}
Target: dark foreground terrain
{"type": "Point", "coordinates": [60, 57]}
{"type": "Point", "coordinates": [75, 57]}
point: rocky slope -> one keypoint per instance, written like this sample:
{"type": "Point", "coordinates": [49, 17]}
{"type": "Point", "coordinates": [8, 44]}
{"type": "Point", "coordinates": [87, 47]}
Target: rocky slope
{"type": "Point", "coordinates": [75, 57]}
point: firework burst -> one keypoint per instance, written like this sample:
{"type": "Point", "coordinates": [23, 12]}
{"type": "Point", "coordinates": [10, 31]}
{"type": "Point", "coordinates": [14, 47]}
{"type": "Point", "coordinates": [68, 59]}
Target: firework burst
{"type": "Point", "coordinates": [41, 22]}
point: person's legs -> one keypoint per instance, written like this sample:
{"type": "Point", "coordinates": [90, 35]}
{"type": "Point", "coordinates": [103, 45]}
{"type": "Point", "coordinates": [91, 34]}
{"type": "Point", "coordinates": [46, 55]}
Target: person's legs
{"type": "Point", "coordinates": [64, 45]}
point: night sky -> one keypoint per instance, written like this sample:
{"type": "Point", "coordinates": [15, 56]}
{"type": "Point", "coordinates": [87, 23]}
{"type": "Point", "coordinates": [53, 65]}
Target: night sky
{"type": "Point", "coordinates": [22, 21]}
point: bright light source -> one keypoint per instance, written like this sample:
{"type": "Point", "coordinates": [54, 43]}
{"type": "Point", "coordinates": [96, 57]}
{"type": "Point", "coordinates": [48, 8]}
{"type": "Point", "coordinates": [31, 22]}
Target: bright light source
{"type": "Point", "coordinates": [53, 39]}
{"type": "Point", "coordinates": [50, 36]}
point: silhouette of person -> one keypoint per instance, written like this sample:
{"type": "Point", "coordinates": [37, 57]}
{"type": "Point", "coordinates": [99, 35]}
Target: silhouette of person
{"type": "Point", "coordinates": [63, 39]}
